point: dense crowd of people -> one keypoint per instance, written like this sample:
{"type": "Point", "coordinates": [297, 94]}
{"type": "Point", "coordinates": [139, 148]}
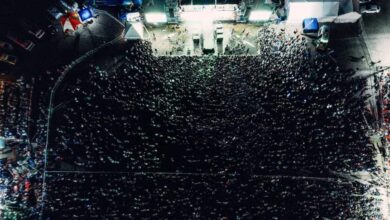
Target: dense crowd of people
{"type": "Point", "coordinates": [240, 43]}
{"type": "Point", "coordinates": [14, 98]}
{"type": "Point", "coordinates": [219, 123]}
{"type": "Point", "coordinates": [172, 196]}
{"type": "Point", "coordinates": [23, 117]}
{"type": "Point", "coordinates": [19, 183]}
{"type": "Point", "coordinates": [215, 114]}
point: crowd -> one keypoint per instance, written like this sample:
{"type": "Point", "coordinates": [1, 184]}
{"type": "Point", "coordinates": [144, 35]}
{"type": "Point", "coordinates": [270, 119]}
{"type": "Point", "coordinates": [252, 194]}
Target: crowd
{"type": "Point", "coordinates": [23, 117]}
{"type": "Point", "coordinates": [219, 123]}
{"type": "Point", "coordinates": [127, 98]}
{"type": "Point", "coordinates": [214, 114]}
{"type": "Point", "coordinates": [239, 43]}
{"type": "Point", "coordinates": [174, 196]}
{"type": "Point", "coordinates": [18, 165]}
{"type": "Point", "coordinates": [14, 100]}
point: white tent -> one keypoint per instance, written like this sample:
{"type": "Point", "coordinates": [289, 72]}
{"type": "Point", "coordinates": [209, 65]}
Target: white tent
{"type": "Point", "coordinates": [351, 17]}
{"type": "Point", "coordinates": [135, 31]}
{"type": "Point", "coordinates": [348, 18]}
{"type": "Point", "coordinates": [301, 9]}
{"type": "Point", "coordinates": [329, 19]}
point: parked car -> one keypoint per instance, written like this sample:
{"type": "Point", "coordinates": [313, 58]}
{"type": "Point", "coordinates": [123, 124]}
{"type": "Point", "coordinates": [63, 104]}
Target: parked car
{"type": "Point", "coordinates": [20, 41]}
{"type": "Point", "coordinates": [370, 9]}
{"type": "Point", "coordinates": [55, 13]}
{"type": "Point", "coordinates": [6, 58]}
{"type": "Point", "coordinates": [66, 5]}
{"type": "Point", "coordinates": [32, 29]}
{"type": "Point", "coordinates": [6, 46]}
{"type": "Point", "coordinates": [52, 29]}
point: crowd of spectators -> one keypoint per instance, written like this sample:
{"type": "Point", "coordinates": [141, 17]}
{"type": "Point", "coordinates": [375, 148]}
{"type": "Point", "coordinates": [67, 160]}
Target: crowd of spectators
{"type": "Point", "coordinates": [219, 123]}
{"type": "Point", "coordinates": [239, 43]}
{"type": "Point", "coordinates": [215, 114]}
{"type": "Point", "coordinates": [24, 113]}
{"type": "Point", "coordinates": [14, 98]}
{"type": "Point", "coordinates": [127, 98]}
{"type": "Point", "coordinates": [197, 196]}
{"type": "Point", "coordinates": [18, 165]}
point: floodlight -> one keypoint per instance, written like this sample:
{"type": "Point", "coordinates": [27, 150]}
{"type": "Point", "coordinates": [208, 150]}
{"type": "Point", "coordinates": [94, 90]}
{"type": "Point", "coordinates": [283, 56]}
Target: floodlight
{"type": "Point", "coordinates": [156, 17]}
{"type": "Point", "coordinates": [262, 15]}
{"type": "Point", "coordinates": [135, 16]}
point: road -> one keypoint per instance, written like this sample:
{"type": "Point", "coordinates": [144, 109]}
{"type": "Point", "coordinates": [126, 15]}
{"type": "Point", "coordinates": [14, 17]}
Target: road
{"type": "Point", "coordinates": [378, 33]}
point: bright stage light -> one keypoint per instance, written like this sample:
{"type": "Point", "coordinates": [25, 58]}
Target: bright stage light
{"type": "Point", "coordinates": [132, 17]}
{"type": "Point", "coordinates": [262, 15]}
{"type": "Point", "coordinates": [156, 17]}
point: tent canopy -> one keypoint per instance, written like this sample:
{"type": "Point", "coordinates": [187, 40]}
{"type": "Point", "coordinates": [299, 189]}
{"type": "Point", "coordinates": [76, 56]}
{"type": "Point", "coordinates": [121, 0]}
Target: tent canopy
{"type": "Point", "coordinates": [70, 21]}
{"type": "Point", "coordinates": [310, 25]}
{"type": "Point", "coordinates": [351, 17]}
{"type": "Point", "coordinates": [135, 31]}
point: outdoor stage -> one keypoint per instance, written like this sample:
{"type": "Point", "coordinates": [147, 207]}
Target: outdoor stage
{"type": "Point", "coordinates": [214, 29]}
{"type": "Point", "coordinates": [178, 39]}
